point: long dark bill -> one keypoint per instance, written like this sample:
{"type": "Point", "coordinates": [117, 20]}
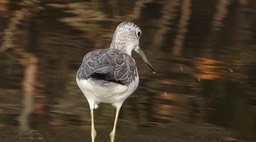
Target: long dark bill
{"type": "Point", "coordinates": [145, 59]}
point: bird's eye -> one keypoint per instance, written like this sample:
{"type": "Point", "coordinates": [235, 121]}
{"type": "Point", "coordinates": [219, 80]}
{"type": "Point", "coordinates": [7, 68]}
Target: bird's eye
{"type": "Point", "coordinates": [138, 33]}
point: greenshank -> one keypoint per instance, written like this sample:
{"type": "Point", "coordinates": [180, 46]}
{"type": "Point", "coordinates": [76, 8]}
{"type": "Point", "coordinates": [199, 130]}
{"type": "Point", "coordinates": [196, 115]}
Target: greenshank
{"type": "Point", "coordinates": [110, 75]}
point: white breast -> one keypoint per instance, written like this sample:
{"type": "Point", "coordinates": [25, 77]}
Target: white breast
{"type": "Point", "coordinates": [112, 93]}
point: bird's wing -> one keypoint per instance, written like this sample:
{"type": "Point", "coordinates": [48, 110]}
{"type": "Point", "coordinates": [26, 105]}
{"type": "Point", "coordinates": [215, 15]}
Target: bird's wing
{"type": "Point", "coordinates": [108, 65]}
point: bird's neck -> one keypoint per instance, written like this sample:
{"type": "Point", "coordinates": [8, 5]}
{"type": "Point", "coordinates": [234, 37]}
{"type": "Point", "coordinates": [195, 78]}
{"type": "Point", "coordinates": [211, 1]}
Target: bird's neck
{"type": "Point", "coordinates": [123, 46]}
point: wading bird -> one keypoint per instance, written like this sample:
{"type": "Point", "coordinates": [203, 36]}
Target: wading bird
{"type": "Point", "coordinates": [110, 75]}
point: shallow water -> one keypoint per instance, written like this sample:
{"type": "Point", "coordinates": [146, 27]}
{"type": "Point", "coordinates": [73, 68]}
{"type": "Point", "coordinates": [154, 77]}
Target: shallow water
{"type": "Point", "coordinates": [203, 52]}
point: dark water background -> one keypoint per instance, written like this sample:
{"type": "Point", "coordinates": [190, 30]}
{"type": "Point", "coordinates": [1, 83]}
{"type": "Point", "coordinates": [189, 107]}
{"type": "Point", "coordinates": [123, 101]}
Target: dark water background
{"type": "Point", "coordinates": [203, 50]}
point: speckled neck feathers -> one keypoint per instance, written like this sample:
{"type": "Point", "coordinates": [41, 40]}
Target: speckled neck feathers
{"type": "Point", "coordinates": [126, 37]}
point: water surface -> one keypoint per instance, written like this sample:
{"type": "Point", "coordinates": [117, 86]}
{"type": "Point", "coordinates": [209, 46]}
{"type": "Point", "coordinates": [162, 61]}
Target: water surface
{"type": "Point", "coordinates": [203, 51]}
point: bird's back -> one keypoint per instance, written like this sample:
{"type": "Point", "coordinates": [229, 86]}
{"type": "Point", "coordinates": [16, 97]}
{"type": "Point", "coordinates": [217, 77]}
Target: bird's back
{"type": "Point", "coordinates": [106, 66]}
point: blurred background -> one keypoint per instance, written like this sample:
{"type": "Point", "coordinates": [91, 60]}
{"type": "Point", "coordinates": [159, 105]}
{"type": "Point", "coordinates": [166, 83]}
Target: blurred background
{"type": "Point", "coordinates": [203, 51]}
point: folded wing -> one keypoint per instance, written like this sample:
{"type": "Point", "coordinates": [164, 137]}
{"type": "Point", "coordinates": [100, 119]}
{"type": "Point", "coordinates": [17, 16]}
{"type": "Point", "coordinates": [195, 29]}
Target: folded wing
{"type": "Point", "coordinates": [105, 66]}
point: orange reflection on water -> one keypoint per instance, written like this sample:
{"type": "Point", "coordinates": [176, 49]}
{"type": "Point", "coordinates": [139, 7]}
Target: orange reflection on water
{"type": "Point", "coordinates": [166, 82]}
{"type": "Point", "coordinates": [209, 69]}
{"type": "Point", "coordinates": [174, 107]}
{"type": "Point", "coordinates": [4, 5]}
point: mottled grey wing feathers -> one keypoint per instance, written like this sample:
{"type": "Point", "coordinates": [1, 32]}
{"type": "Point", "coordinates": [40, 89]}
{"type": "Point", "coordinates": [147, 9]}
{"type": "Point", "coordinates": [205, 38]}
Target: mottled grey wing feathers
{"type": "Point", "coordinates": [108, 65]}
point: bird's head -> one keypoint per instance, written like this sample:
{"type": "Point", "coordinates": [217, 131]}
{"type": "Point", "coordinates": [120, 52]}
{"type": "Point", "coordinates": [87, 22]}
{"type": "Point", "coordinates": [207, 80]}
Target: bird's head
{"type": "Point", "coordinates": [126, 38]}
